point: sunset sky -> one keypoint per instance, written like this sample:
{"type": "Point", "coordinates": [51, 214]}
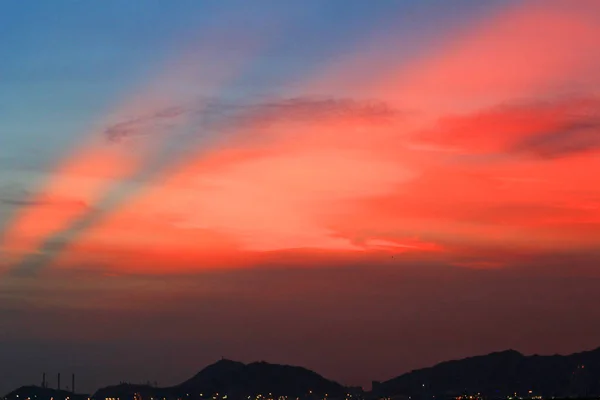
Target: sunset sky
{"type": "Point", "coordinates": [357, 187]}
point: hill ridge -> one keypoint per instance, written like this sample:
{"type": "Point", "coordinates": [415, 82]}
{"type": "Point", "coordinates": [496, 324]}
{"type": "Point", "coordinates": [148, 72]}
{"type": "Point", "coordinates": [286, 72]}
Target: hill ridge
{"type": "Point", "coordinates": [501, 374]}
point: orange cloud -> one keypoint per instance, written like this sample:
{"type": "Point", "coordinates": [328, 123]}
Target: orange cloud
{"type": "Point", "coordinates": [270, 193]}
{"type": "Point", "coordinates": [358, 177]}
{"type": "Point", "coordinates": [532, 49]}
{"type": "Point", "coordinates": [91, 171]}
{"type": "Point", "coordinates": [96, 169]}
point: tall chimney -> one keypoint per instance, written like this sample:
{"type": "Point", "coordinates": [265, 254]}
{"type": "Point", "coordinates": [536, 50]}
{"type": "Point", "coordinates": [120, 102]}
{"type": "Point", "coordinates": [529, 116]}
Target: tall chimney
{"type": "Point", "coordinates": [73, 383]}
{"type": "Point", "coordinates": [44, 380]}
{"type": "Point", "coordinates": [58, 381]}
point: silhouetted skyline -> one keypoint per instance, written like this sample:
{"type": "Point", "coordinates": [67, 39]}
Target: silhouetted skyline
{"type": "Point", "coordinates": [505, 375]}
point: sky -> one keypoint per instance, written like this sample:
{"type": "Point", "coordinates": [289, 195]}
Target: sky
{"type": "Point", "coordinates": [358, 187]}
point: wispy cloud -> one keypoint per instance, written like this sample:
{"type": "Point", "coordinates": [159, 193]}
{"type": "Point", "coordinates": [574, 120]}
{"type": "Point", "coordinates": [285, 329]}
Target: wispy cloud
{"type": "Point", "coordinates": [33, 201]}
{"type": "Point", "coordinates": [140, 125]}
{"type": "Point", "coordinates": [547, 129]}
{"type": "Point", "coordinates": [315, 109]}
{"type": "Point", "coordinates": [218, 115]}
{"type": "Point", "coordinates": [570, 138]}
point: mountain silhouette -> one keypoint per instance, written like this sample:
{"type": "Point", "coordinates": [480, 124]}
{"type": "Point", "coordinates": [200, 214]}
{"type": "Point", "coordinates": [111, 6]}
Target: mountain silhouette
{"type": "Point", "coordinates": [494, 376]}
{"type": "Point", "coordinates": [501, 374]}
{"type": "Point", "coordinates": [235, 380]}
{"type": "Point", "coordinates": [42, 393]}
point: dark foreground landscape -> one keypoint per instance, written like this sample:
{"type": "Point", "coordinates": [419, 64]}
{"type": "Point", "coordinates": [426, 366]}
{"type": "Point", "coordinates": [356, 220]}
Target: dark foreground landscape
{"type": "Point", "coordinates": [502, 375]}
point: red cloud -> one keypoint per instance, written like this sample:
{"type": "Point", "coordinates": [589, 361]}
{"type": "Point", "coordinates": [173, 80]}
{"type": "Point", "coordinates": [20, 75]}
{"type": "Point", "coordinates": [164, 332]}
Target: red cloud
{"type": "Point", "coordinates": [545, 129]}
{"type": "Point", "coordinates": [345, 177]}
